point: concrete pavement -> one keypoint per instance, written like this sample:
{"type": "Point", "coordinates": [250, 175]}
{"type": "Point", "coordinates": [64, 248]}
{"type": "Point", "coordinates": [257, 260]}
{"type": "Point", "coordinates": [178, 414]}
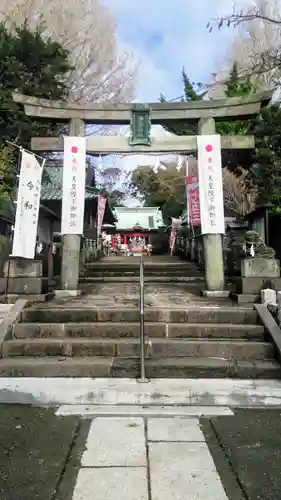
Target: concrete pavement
{"type": "Point", "coordinates": [228, 457]}
{"type": "Point", "coordinates": [35, 446]}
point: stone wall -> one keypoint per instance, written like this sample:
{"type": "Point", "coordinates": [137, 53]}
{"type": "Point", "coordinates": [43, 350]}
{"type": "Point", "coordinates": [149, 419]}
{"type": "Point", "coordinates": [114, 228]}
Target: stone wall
{"type": "Point", "coordinates": [5, 250]}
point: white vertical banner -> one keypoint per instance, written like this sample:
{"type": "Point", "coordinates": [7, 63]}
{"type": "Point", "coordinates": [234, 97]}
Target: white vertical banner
{"type": "Point", "coordinates": [101, 210]}
{"type": "Point", "coordinates": [210, 184]}
{"type": "Point", "coordinates": [73, 185]}
{"type": "Point", "coordinates": [28, 203]}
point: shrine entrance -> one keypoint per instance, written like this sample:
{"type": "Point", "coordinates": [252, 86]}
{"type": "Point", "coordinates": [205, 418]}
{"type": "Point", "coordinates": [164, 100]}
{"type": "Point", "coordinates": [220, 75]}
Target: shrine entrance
{"type": "Point", "coordinates": [140, 117]}
{"type": "Point", "coordinates": [135, 242]}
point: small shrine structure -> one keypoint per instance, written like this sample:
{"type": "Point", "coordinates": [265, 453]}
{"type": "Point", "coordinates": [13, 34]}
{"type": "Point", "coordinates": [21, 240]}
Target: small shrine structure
{"type": "Point", "coordinates": [135, 226]}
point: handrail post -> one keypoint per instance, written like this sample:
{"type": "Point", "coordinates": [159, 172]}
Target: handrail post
{"type": "Point", "coordinates": [142, 337]}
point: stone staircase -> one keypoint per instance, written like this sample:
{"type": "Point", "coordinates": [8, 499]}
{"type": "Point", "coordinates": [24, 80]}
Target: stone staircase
{"type": "Point", "coordinates": [74, 339]}
{"type": "Point", "coordinates": [118, 269]}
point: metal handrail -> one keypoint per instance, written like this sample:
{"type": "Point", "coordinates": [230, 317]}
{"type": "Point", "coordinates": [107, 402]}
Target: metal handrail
{"type": "Point", "coordinates": [142, 336]}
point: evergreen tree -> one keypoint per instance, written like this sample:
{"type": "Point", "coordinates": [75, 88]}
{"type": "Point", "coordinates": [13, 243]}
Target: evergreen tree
{"type": "Point", "coordinates": [265, 174]}
{"type": "Point", "coordinates": [236, 87]}
{"type": "Point", "coordinates": [33, 66]}
{"type": "Point", "coordinates": [189, 94]}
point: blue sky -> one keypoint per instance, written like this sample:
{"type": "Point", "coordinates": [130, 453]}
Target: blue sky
{"type": "Point", "coordinates": [168, 34]}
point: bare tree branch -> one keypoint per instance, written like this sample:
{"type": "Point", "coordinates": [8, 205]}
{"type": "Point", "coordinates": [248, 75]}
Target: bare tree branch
{"type": "Point", "coordinates": [258, 10]}
{"type": "Point", "coordinates": [257, 44]}
{"type": "Point", "coordinates": [86, 28]}
{"type": "Point", "coordinates": [239, 196]}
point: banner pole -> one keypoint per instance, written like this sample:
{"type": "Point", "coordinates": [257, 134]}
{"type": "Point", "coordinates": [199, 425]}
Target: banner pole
{"type": "Point", "coordinates": [21, 148]}
{"type": "Point", "coordinates": [187, 193]}
{"type": "Point", "coordinates": [14, 197]}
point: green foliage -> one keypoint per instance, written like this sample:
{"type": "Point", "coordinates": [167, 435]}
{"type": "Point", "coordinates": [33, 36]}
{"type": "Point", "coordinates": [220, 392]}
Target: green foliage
{"type": "Point", "coordinates": [111, 179]}
{"type": "Point", "coordinates": [190, 94]}
{"type": "Point", "coordinates": [7, 174]}
{"type": "Point", "coordinates": [115, 197]}
{"type": "Point", "coordinates": [33, 66]}
{"type": "Point", "coordinates": [5, 249]}
{"type": "Point", "coordinates": [236, 87]}
{"type": "Point", "coordinates": [164, 189]}
{"type": "Point", "coordinates": [265, 174]}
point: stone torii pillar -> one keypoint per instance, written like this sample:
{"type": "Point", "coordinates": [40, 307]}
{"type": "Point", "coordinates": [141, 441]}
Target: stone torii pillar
{"type": "Point", "coordinates": [212, 243]}
{"type": "Point", "coordinates": [71, 242]}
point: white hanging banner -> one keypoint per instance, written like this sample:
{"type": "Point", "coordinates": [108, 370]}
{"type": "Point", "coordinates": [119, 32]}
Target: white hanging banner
{"type": "Point", "coordinates": [28, 203]}
{"type": "Point", "coordinates": [73, 185]}
{"type": "Point", "coordinates": [101, 210]}
{"type": "Point", "coordinates": [210, 184]}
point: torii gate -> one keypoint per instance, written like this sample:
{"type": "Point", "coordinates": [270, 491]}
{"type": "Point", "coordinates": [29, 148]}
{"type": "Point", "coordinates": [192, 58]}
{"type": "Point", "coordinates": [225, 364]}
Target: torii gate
{"type": "Point", "coordinates": [203, 112]}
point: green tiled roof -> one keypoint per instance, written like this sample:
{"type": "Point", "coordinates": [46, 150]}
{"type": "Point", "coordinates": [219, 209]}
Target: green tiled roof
{"type": "Point", "coordinates": [52, 185]}
{"type": "Point", "coordinates": [145, 217]}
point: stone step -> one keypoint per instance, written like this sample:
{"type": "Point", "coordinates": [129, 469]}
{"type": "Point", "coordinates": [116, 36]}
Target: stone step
{"type": "Point", "coordinates": [127, 265]}
{"type": "Point", "coordinates": [5, 309]}
{"type": "Point", "coordinates": [76, 313]}
{"type": "Point", "coordinates": [56, 367]}
{"type": "Point", "coordinates": [124, 368]}
{"type": "Point", "coordinates": [155, 348]}
{"type": "Point", "coordinates": [147, 279]}
{"type": "Point", "coordinates": [147, 274]}
{"type": "Point", "coordinates": [121, 330]}
{"type": "Point", "coordinates": [160, 411]}
{"type": "Point", "coordinates": [198, 368]}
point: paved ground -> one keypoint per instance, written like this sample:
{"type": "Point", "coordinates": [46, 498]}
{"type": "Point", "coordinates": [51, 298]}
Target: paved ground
{"type": "Point", "coordinates": [47, 457]}
{"type": "Point", "coordinates": [251, 443]}
{"type": "Point", "coordinates": [168, 294]}
{"type": "Point", "coordinates": [4, 311]}
{"type": "Point", "coordinates": [177, 295]}
{"type": "Point", "coordinates": [35, 447]}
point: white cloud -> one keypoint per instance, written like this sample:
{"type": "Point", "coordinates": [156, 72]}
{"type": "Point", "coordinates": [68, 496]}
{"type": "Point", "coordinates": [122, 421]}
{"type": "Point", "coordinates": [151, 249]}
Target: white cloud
{"type": "Point", "coordinates": [166, 36]}
{"type": "Point", "coordinates": [169, 35]}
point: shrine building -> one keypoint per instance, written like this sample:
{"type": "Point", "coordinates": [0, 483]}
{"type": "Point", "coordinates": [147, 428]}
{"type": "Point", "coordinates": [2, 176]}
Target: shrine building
{"type": "Point", "coordinates": [135, 226]}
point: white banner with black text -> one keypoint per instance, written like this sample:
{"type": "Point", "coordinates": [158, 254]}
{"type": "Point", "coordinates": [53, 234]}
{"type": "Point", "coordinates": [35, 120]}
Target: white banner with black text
{"type": "Point", "coordinates": [28, 203]}
{"type": "Point", "coordinates": [73, 185]}
{"type": "Point", "coordinates": [210, 184]}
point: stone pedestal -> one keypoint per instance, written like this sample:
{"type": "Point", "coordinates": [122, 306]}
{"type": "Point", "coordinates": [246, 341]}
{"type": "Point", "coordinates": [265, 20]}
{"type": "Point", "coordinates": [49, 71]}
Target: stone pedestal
{"type": "Point", "coordinates": [255, 285]}
{"type": "Point", "coordinates": [260, 268]}
{"type": "Point", "coordinates": [19, 268]}
{"type": "Point", "coordinates": [257, 274]}
{"type": "Point", "coordinates": [236, 238]}
{"type": "Point", "coordinates": [23, 277]}
{"type": "Point", "coordinates": [268, 296]}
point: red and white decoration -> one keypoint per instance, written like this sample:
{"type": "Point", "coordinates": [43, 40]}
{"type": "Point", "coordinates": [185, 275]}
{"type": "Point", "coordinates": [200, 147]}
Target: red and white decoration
{"type": "Point", "coordinates": [175, 226]}
{"type": "Point", "coordinates": [101, 210]}
{"type": "Point", "coordinates": [73, 186]}
{"type": "Point", "coordinates": [210, 182]}
{"type": "Point", "coordinates": [193, 197]}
